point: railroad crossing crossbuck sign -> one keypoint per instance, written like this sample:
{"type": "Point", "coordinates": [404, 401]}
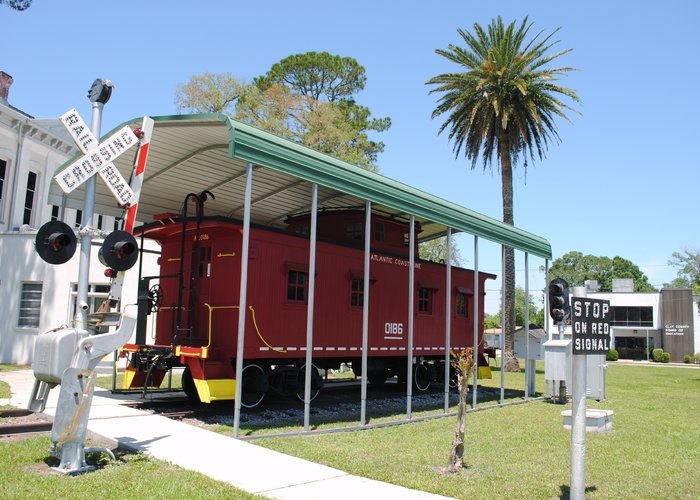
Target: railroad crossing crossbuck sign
{"type": "Point", "coordinates": [590, 323]}
{"type": "Point", "coordinates": [98, 158]}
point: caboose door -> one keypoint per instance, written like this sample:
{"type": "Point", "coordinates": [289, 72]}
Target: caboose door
{"type": "Point", "coordinates": [200, 289]}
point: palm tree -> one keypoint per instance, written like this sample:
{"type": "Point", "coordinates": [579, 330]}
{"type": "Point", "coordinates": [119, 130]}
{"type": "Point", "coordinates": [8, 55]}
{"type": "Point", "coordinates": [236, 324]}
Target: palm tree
{"type": "Point", "coordinates": [502, 104]}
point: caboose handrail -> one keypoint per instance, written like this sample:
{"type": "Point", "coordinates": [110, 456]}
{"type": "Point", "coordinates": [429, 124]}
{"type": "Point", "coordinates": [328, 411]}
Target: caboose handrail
{"type": "Point", "coordinates": [255, 324]}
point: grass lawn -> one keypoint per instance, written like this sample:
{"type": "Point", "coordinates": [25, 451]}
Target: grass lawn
{"type": "Point", "coordinates": [523, 451]}
{"type": "Point", "coordinates": [25, 469]}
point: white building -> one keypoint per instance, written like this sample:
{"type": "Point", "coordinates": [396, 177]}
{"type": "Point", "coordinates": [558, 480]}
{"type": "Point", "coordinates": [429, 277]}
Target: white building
{"type": "Point", "coordinates": [35, 296]}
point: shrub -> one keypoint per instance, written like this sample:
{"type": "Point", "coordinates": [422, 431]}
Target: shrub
{"type": "Point", "coordinates": [697, 357]}
{"type": "Point", "coordinates": [665, 357]}
{"type": "Point", "coordinates": [657, 355]}
{"type": "Point", "coordinates": [612, 355]}
{"type": "Point", "coordinates": [687, 358]}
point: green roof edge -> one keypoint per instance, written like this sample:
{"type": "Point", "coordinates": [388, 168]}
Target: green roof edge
{"type": "Point", "coordinates": [259, 147]}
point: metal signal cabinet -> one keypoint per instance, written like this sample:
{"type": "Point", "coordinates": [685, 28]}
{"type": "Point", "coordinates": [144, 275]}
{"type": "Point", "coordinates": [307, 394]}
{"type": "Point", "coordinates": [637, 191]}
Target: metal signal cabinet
{"type": "Point", "coordinates": [199, 283]}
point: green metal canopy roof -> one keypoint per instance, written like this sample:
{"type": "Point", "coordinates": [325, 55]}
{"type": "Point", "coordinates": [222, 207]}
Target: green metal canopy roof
{"type": "Point", "coordinates": [193, 153]}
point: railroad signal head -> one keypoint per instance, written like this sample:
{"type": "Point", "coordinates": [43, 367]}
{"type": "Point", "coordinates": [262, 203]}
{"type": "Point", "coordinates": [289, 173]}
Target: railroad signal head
{"type": "Point", "coordinates": [119, 251]}
{"type": "Point", "coordinates": [56, 242]}
{"type": "Point", "coordinates": [559, 300]}
{"type": "Point", "coordinates": [100, 91]}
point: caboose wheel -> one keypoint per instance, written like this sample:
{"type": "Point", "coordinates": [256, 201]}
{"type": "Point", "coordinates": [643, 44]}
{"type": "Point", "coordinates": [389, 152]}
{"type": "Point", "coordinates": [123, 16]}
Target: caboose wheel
{"type": "Point", "coordinates": [422, 376]}
{"type": "Point", "coordinates": [440, 372]}
{"type": "Point", "coordinates": [255, 385]}
{"type": "Point", "coordinates": [316, 382]}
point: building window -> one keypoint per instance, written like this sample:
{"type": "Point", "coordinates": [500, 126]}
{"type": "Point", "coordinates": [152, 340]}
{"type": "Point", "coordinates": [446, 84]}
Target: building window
{"type": "Point", "coordinates": [99, 221]}
{"type": "Point", "coordinates": [78, 218]}
{"type": "Point", "coordinates": [425, 300]}
{"type": "Point", "coordinates": [30, 305]}
{"type": "Point", "coordinates": [3, 173]}
{"type": "Point", "coordinates": [55, 210]}
{"type": "Point", "coordinates": [97, 294]}
{"type": "Point", "coordinates": [353, 231]}
{"type": "Point", "coordinates": [29, 198]}
{"type": "Point", "coordinates": [633, 316]}
{"type": "Point", "coordinates": [116, 224]}
{"type": "Point", "coordinates": [380, 232]}
{"type": "Point", "coordinates": [357, 293]}
{"type": "Point", "coordinates": [461, 305]}
{"type": "Point", "coordinates": [296, 286]}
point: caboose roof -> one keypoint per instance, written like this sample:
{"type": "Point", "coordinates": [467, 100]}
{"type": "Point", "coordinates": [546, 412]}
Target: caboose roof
{"type": "Point", "coordinates": [193, 153]}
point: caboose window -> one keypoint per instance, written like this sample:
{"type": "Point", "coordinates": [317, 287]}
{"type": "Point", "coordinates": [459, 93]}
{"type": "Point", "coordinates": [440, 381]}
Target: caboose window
{"type": "Point", "coordinates": [461, 305]}
{"type": "Point", "coordinates": [357, 293]}
{"type": "Point", "coordinates": [296, 286]}
{"type": "Point", "coordinates": [353, 231]}
{"type": "Point", "coordinates": [425, 300]}
{"type": "Point", "coordinates": [380, 232]}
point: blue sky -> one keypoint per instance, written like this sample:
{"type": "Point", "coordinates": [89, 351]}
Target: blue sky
{"type": "Point", "coordinates": [626, 170]}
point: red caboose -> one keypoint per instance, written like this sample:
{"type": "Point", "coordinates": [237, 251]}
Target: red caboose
{"type": "Point", "coordinates": [196, 297]}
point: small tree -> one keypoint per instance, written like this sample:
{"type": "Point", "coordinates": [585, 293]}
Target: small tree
{"type": "Point", "coordinates": [463, 363]}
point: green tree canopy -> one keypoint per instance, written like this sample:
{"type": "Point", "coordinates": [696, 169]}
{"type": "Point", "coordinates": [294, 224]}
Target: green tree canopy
{"type": "Point", "coordinates": [436, 251]}
{"type": "Point", "coordinates": [687, 264]}
{"type": "Point", "coordinates": [17, 4]}
{"type": "Point", "coordinates": [576, 269]}
{"type": "Point", "coordinates": [319, 75]}
{"type": "Point", "coordinates": [307, 98]}
{"type": "Point", "coordinates": [535, 314]}
{"type": "Point", "coordinates": [209, 93]}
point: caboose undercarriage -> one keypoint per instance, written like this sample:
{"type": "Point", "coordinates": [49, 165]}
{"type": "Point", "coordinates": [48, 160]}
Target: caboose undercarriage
{"type": "Point", "coordinates": [204, 381]}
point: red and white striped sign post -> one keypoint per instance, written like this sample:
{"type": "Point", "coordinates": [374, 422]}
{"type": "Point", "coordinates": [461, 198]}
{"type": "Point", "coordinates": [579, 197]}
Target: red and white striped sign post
{"type": "Point", "coordinates": [145, 134]}
{"type": "Point", "coordinates": [139, 169]}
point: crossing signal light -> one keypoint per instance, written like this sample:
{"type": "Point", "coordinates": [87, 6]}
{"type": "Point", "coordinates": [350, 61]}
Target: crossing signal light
{"type": "Point", "coordinates": [56, 242]}
{"type": "Point", "coordinates": [119, 251]}
{"type": "Point", "coordinates": [559, 308]}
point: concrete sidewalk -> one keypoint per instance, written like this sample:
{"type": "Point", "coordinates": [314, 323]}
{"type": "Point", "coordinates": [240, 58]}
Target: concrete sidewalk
{"type": "Point", "coordinates": [220, 457]}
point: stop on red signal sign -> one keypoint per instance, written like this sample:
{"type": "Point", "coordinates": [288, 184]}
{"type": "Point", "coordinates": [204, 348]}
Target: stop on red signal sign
{"type": "Point", "coordinates": [590, 325]}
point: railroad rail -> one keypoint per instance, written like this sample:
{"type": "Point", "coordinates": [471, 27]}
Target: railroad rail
{"type": "Point", "coordinates": [28, 427]}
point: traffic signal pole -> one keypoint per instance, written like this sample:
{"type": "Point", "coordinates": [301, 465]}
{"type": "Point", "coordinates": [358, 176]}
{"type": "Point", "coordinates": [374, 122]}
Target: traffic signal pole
{"type": "Point", "coordinates": [560, 311]}
{"type": "Point", "coordinates": [577, 482]}
{"type": "Point", "coordinates": [98, 94]}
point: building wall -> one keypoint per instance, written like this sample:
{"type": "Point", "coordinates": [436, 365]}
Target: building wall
{"type": "Point", "coordinates": [678, 327]}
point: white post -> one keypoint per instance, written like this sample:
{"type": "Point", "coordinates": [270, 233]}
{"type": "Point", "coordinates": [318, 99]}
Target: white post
{"type": "Point", "coordinates": [81, 303]}
{"type": "Point", "coordinates": [503, 322]}
{"type": "Point", "coordinates": [578, 423]}
{"type": "Point", "coordinates": [310, 308]}
{"type": "Point", "coordinates": [242, 301]}
{"type": "Point", "coordinates": [527, 329]}
{"type": "Point", "coordinates": [448, 317]}
{"type": "Point", "coordinates": [411, 300]}
{"type": "Point", "coordinates": [647, 344]}
{"type": "Point", "coordinates": [547, 329]}
{"type": "Point", "coordinates": [477, 294]}
{"type": "Point", "coordinates": [365, 314]}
